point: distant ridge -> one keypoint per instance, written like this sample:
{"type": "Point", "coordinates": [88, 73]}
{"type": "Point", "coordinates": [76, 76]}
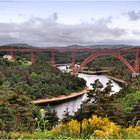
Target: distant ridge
{"type": "Point", "coordinates": [25, 45]}
{"type": "Point", "coordinates": [18, 45]}
{"type": "Point", "coordinates": [102, 46]}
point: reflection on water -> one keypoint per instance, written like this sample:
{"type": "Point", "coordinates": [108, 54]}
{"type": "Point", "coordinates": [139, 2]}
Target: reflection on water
{"type": "Point", "coordinates": [74, 104]}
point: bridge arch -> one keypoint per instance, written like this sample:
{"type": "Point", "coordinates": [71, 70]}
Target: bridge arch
{"type": "Point", "coordinates": [112, 53]}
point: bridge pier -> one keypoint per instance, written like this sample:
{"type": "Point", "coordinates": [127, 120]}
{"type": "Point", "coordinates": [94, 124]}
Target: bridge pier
{"type": "Point", "coordinates": [52, 61]}
{"type": "Point", "coordinates": [136, 67]}
{"type": "Point", "coordinates": [73, 57]}
{"type": "Point", "coordinates": [32, 57]}
{"type": "Point", "coordinates": [12, 54]}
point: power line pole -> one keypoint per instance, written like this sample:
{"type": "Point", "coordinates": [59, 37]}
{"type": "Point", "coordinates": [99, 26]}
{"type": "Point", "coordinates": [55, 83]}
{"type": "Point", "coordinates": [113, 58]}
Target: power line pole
{"type": "Point", "coordinates": [81, 118]}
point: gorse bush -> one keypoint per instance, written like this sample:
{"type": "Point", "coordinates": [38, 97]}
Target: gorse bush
{"type": "Point", "coordinates": [102, 127]}
{"type": "Point", "coordinates": [133, 132]}
{"type": "Point", "coordinates": [71, 128]}
{"type": "Point", "coordinates": [95, 126]}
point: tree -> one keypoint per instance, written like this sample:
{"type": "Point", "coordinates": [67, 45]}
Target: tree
{"type": "Point", "coordinates": [95, 93]}
{"type": "Point", "coordinates": [134, 116]}
{"type": "Point", "coordinates": [66, 116]}
{"type": "Point", "coordinates": [16, 110]}
{"type": "Point", "coordinates": [100, 102]}
{"type": "Point", "coordinates": [52, 117]}
{"type": "Point", "coordinates": [7, 119]}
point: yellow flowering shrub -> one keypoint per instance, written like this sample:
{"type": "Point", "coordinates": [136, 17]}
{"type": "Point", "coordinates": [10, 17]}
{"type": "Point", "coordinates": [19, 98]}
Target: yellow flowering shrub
{"type": "Point", "coordinates": [95, 126]}
{"type": "Point", "coordinates": [85, 124]}
{"type": "Point", "coordinates": [133, 130]}
{"type": "Point", "coordinates": [100, 133]}
{"type": "Point", "coordinates": [71, 128]}
{"type": "Point", "coordinates": [102, 127]}
{"type": "Point", "coordinates": [56, 131]}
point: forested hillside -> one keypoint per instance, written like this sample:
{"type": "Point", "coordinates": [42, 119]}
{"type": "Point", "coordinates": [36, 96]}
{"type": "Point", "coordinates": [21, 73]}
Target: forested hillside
{"type": "Point", "coordinates": [39, 80]}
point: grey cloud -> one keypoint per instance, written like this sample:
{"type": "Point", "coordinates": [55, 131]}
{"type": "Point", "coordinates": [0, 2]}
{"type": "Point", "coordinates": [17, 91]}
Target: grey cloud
{"type": "Point", "coordinates": [104, 20]}
{"type": "Point", "coordinates": [48, 32]}
{"type": "Point", "coordinates": [133, 15]}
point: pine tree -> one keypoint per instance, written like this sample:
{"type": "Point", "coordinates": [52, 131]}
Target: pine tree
{"type": "Point", "coordinates": [134, 116]}
{"type": "Point", "coordinates": [66, 116]}
{"type": "Point", "coordinates": [52, 117]}
{"type": "Point", "coordinates": [16, 110]}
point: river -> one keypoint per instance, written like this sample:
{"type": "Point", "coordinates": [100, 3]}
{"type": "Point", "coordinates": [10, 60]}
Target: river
{"type": "Point", "coordinates": [74, 104]}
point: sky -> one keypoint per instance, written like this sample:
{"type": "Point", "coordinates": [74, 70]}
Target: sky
{"type": "Point", "coordinates": [52, 23]}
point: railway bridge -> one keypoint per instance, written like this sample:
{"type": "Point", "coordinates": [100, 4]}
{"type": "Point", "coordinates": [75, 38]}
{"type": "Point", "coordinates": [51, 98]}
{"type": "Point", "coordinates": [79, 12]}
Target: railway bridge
{"type": "Point", "coordinates": [94, 52]}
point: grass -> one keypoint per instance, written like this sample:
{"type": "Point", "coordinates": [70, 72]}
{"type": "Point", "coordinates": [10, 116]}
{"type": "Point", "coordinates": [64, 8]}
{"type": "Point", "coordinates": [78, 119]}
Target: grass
{"type": "Point", "coordinates": [49, 135]}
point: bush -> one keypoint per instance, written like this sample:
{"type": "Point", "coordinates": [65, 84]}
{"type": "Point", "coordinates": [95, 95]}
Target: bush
{"type": "Point", "coordinates": [93, 128]}
{"type": "Point", "coordinates": [133, 132]}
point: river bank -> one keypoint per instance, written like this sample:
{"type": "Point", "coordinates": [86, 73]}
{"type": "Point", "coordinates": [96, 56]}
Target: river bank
{"type": "Point", "coordinates": [95, 72]}
{"type": "Point", "coordinates": [119, 81]}
{"type": "Point", "coordinates": [61, 98]}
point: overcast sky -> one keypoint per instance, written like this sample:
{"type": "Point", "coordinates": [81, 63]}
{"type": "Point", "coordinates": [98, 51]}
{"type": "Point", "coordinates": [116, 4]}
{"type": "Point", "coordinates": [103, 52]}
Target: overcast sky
{"type": "Point", "coordinates": [47, 23]}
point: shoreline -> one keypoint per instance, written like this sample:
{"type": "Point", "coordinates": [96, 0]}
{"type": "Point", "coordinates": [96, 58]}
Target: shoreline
{"type": "Point", "coordinates": [95, 72]}
{"type": "Point", "coordinates": [61, 98]}
{"type": "Point", "coordinates": [119, 81]}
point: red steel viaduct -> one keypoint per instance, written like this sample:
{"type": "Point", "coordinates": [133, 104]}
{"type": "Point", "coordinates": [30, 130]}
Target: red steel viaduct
{"type": "Point", "coordinates": [115, 52]}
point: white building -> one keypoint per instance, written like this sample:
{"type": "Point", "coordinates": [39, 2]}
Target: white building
{"type": "Point", "coordinates": [8, 57]}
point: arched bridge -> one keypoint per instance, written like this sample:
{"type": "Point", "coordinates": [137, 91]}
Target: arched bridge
{"type": "Point", "coordinates": [115, 52]}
